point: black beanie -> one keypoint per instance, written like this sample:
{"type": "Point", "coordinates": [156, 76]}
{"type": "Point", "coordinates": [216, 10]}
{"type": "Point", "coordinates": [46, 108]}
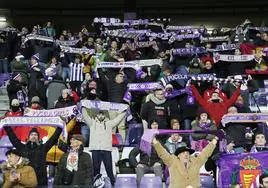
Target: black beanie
{"type": "Point", "coordinates": [34, 130]}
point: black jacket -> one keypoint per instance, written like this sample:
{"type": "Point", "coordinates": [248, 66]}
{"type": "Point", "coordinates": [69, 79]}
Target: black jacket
{"type": "Point", "coordinates": [61, 103]}
{"type": "Point", "coordinates": [12, 88]}
{"type": "Point", "coordinates": [36, 154]}
{"type": "Point", "coordinates": [83, 177]}
{"type": "Point", "coordinates": [144, 158]}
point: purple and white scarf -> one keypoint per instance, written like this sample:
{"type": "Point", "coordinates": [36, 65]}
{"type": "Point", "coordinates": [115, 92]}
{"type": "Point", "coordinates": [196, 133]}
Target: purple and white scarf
{"type": "Point", "coordinates": [67, 49]}
{"type": "Point", "coordinates": [189, 51]}
{"type": "Point", "coordinates": [183, 36]}
{"type": "Point", "coordinates": [63, 112]}
{"type": "Point", "coordinates": [106, 20]}
{"type": "Point", "coordinates": [67, 42]}
{"type": "Point", "coordinates": [142, 44]}
{"type": "Point", "coordinates": [137, 87]}
{"type": "Point", "coordinates": [38, 37]}
{"type": "Point", "coordinates": [233, 58]}
{"type": "Point", "coordinates": [259, 28]}
{"type": "Point", "coordinates": [30, 121]}
{"type": "Point", "coordinates": [214, 39]}
{"type": "Point", "coordinates": [244, 118]}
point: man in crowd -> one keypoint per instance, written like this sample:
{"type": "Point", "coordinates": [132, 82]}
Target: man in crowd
{"type": "Point", "coordinates": [17, 172]}
{"type": "Point", "coordinates": [264, 181]}
{"type": "Point", "coordinates": [75, 167]}
{"type": "Point", "coordinates": [184, 168]}
{"type": "Point", "coordinates": [35, 151]}
{"type": "Point", "coordinates": [260, 143]}
{"type": "Point", "coordinates": [101, 140]}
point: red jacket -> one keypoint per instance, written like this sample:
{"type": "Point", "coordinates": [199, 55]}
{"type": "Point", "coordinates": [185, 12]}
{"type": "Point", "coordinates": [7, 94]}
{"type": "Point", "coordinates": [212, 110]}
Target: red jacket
{"type": "Point", "coordinates": [215, 110]}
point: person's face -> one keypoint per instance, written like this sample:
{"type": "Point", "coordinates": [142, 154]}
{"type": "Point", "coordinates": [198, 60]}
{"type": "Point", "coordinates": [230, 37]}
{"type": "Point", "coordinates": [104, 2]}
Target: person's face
{"type": "Point", "coordinates": [260, 140]}
{"type": "Point", "coordinates": [154, 125]}
{"type": "Point", "coordinates": [208, 45]}
{"type": "Point", "coordinates": [159, 94]}
{"type": "Point", "coordinates": [265, 182]}
{"type": "Point", "coordinates": [13, 159]}
{"type": "Point", "coordinates": [90, 41]}
{"type": "Point", "coordinates": [208, 65]}
{"type": "Point", "coordinates": [237, 52]}
{"type": "Point", "coordinates": [64, 95]}
{"type": "Point", "coordinates": [61, 38]}
{"type": "Point", "coordinates": [99, 48]}
{"type": "Point", "coordinates": [98, 41]}
{"type": "Point", "coordinates": [162, 54]}
{"type": "Point", "coordinates": [54, 60]}
{"type": "Point", "coordinates": [239, 100]}
{"type": "Point", "coordinates": [175, 137]}
{"type": "Point", "coordinates": [75, 144]}
{"type": "Point", "coordinates": [35, 106]}
{"type": "Point", "coordinates": [33, 61]}
{"type": "Point", "coordinates": [114, 45]}
{"type": "Point", "coordinates": [184, 156]}
{"type": "Point", "coordinates": [48, 24]}
{"type": "Point", "coordinates": [64, 32]}
{"type": "Point", "coordinates": [100, 116]}
{"type": "Point", "coordinates": [176, 125]}
{"type": "Point", "coordinates": [215, 96]}
{"type": "Point", "coordinates": [203, 117]}
{"type": "Point", "coordinates": [232, 110]}
{"type": "Point", "coordinates": [119, 78]}
{"type": "Point", "coordinates": [33, 137]}
{"type": "Point", "coordinates": [77, 60]}
{"type": "Point", "coordinates": [187, 45]}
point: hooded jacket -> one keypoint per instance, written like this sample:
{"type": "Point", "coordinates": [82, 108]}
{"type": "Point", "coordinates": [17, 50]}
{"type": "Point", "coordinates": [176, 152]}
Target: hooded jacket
{"type": "Point", "coordinates": [27, 174]}
{"type": "Point", "coordinates": [101, 132]}
{"type": "Point", "coordinates": [172, 146]}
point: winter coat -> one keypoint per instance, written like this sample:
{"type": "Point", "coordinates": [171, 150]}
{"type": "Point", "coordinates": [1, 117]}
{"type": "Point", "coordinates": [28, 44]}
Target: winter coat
{"type": "Point", "coordinates": [27, 175]}
{"type": "Point", "coordinates": [159, 110]}
{"type": "Point", "coordinates": [215, 110]}
{"type": "Point", "coordinates": [101, 132]}
{"type": "Point", "coordinates": [83, 177]}
{"type": "Point", "coordinates": [61, 103]}
{"type": "Point", "coordinates": [20, 67]}
{"type": "Point", "coordinates": [196, 127]}
{"type": "Point", "coordinates": [3, 50]}
{"type": "Point", "coordinates": [172, 146]}
{"type": "Point", "coordinates": [180, 177]}
{"type": "Point", "coordinates": [145, 159]}
{"type": "Point", "coordinates": [35, 153]}
{"type": "Point", "coordinates": [13, 87]}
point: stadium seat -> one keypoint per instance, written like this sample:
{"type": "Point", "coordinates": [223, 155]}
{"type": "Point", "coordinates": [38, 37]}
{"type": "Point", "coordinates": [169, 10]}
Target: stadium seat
{"type": "Point", "coordinates": [206, 181]}
{"type": "Point", "coordinates": [126, 182]}
{"type": "Point", "coordinates": [151, 182]}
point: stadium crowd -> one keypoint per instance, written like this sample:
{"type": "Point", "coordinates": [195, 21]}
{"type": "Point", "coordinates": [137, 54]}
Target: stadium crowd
{"type": "Point", "coordinates": [123, 80]}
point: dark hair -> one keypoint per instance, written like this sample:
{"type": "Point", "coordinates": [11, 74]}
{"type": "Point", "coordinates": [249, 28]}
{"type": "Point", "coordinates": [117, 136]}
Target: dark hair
{"type": "Point", "coordinates": [264, 175]}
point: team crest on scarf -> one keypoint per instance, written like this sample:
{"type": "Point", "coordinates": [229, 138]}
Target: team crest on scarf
{"type": "Point", "coordinates": [249, 172]}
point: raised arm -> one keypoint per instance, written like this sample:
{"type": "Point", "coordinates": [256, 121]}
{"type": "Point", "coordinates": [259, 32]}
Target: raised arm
{"type": "Point", "coordinates": [167, 158]}
{"type": "Point", "coordinates": [207, 152]}
{"type": "Point", "coordinates": [53, 139]}
{"type": "Point", "coordinates": [87, 118]}
{"type": "Point", "coordinates": [114, 122]}
{"type": "Point", "coordinates": [232, 100]}
{"type": "Point", "coordinates": [14, 139]}
{"type": "Point", "coordinates": [198, 97]}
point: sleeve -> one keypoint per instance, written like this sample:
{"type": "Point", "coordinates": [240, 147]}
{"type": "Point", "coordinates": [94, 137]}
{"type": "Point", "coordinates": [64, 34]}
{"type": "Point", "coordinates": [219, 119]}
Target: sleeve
{"type": "Point", "coordinates": [196, 128]}
{"type": "Point", "coordinates": [53, 139]}
{"type": "Point", "coordinates": [205, 154]}
{"type": "Point", "coordinates": [58, 175]}
{"type": "Point", "coordinates": [167, 158]}
{"type": "Point", "coordinates": [63, 146]}
{"type": "Point", "coordinates": [132, 157]}
{"type": "Point", "coordinates": [212, 128]}
{"type": "Point", "coordinates": [86, 117]}
{"type": "Point", "coordinates": [232, 100]}
{"type": "Point", "coordinates": [198, 97]}
{"type": "Point", "coordinates": [114, 122]}
{"type": "Point", "coordinates": [28, 178]}
{"type": "Point", "coordinates": [144, 112]}
{"type": "Point", "coordinates": [14, 139]}
{"type": "Point", "coordinates": [7, 183]}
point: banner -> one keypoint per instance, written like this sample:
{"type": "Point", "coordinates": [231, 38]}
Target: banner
{"type": "Point", "coordinates": [241, 169]}
{"type": "Point", "coordinates": [67, 42]}
{"type": "Point", "coordinates": [30, 121]}
{"type": "Point", "coordinates": [244, 118]}
{"type": "Point", "coordinates": [63, 112]}
{"type": "Point", "coordinates": [233, 58]}
{"type": "Point", "coordinates": [38, 37]}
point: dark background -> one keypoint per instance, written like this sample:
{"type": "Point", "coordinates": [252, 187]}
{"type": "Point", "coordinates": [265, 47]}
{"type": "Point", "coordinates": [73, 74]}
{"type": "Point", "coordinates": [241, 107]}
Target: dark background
{"type": "Point", "coordinates": [72, 14]}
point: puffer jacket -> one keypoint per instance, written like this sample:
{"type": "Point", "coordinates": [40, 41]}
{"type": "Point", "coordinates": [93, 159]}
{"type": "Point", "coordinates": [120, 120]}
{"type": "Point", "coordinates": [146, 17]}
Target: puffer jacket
{"type": "Point", "coordinates": [172, 146]}
{"type": "Point", "coordinates": [27, 175]}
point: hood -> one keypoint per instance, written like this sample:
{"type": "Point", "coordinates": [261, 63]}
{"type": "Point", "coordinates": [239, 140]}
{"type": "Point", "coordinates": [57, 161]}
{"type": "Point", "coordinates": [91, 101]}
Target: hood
{"type": "Point", "coordinates": [22, 162]}
{"type": "Point", "coordinates": [170, 141]}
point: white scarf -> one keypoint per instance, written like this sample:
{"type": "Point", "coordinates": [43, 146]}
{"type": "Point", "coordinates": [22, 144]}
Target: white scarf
{"type": "Point", "coordinates": [72, 161]}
